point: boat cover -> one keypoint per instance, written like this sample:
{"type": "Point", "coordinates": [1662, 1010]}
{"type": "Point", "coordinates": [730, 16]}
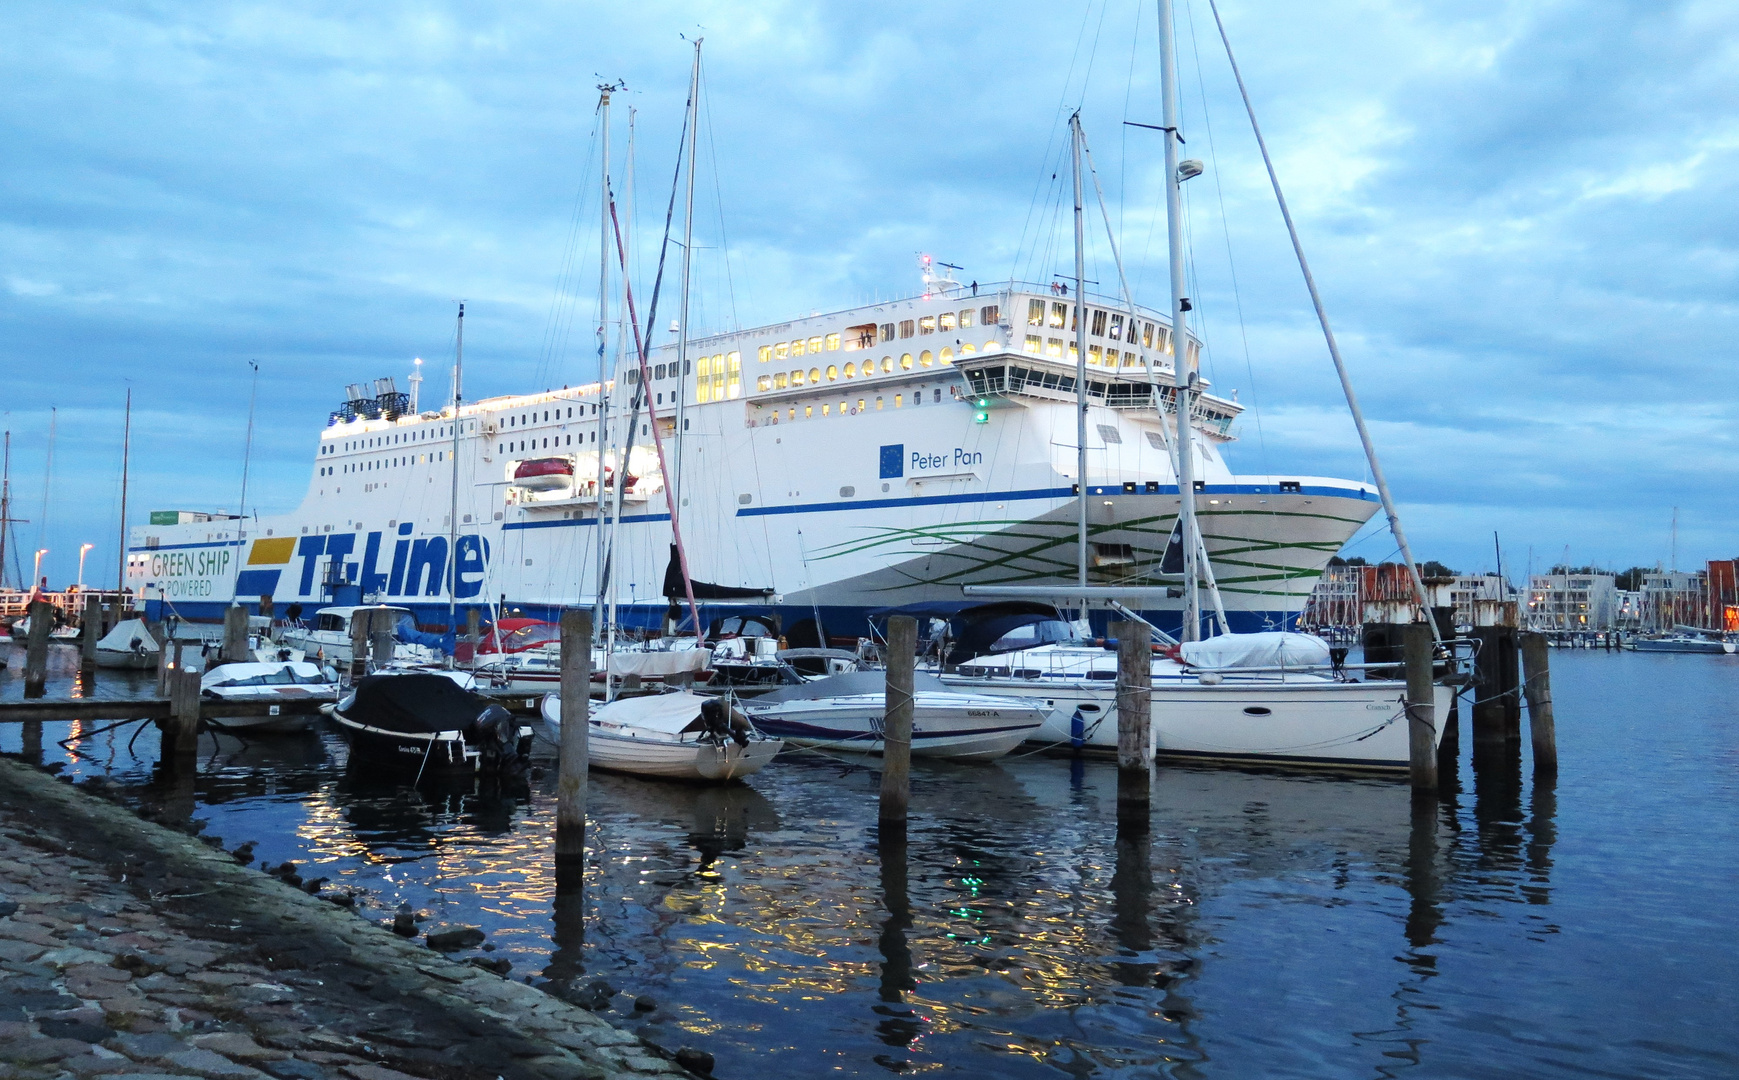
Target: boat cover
{"type": "Point", "coordinates": [850, 684]}
{"type": "Point", "coordinates": [1268, 649]}
{"type": "Point", "coordinates": [659, 663]}
{"type": "Point", "coordinates": [120, 639]}
{"type": "Point", "coordinates": [415, 703]}
{"type": "Point", "coordinates": [671, 714]}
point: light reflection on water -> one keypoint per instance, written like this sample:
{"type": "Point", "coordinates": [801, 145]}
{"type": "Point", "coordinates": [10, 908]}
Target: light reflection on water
{"type": "Point", "coordinates": [1264, 925]}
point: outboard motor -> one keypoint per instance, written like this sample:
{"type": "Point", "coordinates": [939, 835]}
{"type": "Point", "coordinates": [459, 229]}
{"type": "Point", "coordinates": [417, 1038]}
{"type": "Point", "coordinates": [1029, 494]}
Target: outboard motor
{"type": "Point", "coordinates": [495, 735]}
{"type": "Point", "coordinates": [723, 722]}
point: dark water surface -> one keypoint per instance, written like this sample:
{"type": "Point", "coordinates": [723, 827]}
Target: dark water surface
{"type": "Point", "coordinates": [1268, 925]}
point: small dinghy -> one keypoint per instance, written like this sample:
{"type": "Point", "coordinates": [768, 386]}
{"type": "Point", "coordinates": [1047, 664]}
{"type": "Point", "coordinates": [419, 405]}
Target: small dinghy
{"type": "Point", "coordinates": [677, 736]}
{"type": "Point", "coordinates": [129, 646]}
{"type": "Point", "coordinates": [429, 725]}
{"type": "Point", "coordinates": [276, 682]}
{"type": "Point", "coordinates": [845, 712]}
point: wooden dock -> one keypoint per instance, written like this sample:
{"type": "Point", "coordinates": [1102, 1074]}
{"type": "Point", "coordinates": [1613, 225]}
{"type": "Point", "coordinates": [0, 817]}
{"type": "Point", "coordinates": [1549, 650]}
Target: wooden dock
{"type": "Point", "coordinates": [519, 702]}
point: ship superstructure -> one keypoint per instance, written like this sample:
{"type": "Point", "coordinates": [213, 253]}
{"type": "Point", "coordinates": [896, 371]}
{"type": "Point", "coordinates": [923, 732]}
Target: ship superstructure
{"type": "Point", "coordinates": [824, 466]}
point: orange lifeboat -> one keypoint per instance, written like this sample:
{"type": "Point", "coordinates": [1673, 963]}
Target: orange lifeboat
{"type": "Point", "coordinates": [544, 474]}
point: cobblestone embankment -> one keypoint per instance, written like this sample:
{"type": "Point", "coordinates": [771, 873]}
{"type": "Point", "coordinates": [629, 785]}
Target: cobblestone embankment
{"type": "Point", "coordinates": [131, 951]}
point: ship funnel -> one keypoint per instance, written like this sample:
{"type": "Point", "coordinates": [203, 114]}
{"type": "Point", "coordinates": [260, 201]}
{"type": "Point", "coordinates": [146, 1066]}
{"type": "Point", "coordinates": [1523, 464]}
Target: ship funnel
{"type": "Point", "coordinates": [384, 386]}
{"type": "Point", "coordinates": [356, 392]}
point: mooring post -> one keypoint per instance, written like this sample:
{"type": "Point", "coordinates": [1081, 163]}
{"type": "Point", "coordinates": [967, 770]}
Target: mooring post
{"type": "Point", "coordinates": [902, 654]}
{"type": "Point", "coordinates": [182, 734]}
{"type": "Point", "coordinates": [1537, 684]}
{"type": "Point", "coordinates": [235, 635]}
{"type": "Point", "coordinates": [1134, 721]}
{"type": "Point", "coordinates": [474, 633]}
{"type": "Point", "coordinates": [267, 612]}
{"type": "Point", "coordinates": [36, 648]}
{"type": "Point", "coordinates": [359, 644]}
{"type": "Point", "coordinates": [575, 757]}
{"type": "Point", "coordinates": [1421, 708]}
{"type": "Point", "coordinates": [91, 629]}
{"type": "Point", "coordinates": [383, 649]}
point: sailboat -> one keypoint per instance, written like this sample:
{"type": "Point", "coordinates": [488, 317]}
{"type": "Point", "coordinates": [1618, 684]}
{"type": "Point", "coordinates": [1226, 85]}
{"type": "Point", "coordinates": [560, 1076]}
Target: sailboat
{"type": "Point", "coordinates": [1264, 697]}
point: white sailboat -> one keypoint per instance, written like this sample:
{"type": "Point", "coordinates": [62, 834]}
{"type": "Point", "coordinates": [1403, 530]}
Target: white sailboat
{"type": "Point", "coordinates": [676, 736]}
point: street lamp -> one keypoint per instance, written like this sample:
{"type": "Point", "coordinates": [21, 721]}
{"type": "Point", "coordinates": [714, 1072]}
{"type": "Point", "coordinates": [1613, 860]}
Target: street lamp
{"type": "Point", "coordinates": [36, 571]}
{"type": "Point", "coordinates": [84, 549]}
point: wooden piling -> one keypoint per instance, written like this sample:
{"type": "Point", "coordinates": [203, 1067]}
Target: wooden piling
{"type": "Point", "coordinates": [91, 630]}
{"type": "Point", "coordinates": [897, 720]}
{"type": "Point", "coordinates": [235, 635]}
{"type": "Point", "coordinates": [266, 611]}
{"type": "Point", "coordinates": [1134, 720]}
{"type": "Point", "coordinates": [1537, 685]}
{"type": "Point", "coordinates": [474, 633]}
{"type": "Point", "coordinates": [359, 621]}
{"type": "Point", "coordinates": [575, 757]}
{"type": "Point", "coordinates": [181, 732]}
{"type": "Point", "coordinates": [1421, 708]}
{"type": "Point", "coordinates": [36, 648]}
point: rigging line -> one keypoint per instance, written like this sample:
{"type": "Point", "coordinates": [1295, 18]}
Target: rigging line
{"type": "Point", "coordinates": [555, 332]}
{"type": "Point", "coordinates": [1050, 144]}
{"type": "Point", "coordinates": [1123, 129]}
{"type": "Point", "coordinates": [712, 144]}
{"type": "Point", "coordinates": [658, 440]}
{"type": "Point", "coordinates": [1092, 53]}
{"type": "Point", "coordinates": [1377, 476]}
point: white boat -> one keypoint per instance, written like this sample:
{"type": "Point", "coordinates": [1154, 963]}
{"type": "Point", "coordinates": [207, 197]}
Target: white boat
{"type": "Point", "coordinates": [846, 712]}
{"type": "Point", "coordinates": [1683, 643]}
{"type": "Point", "coordinates": [327, 637]}
{"type": "Point", "coordinates": [1256, 698]}
{"type": "Point", "coordinates": [129, 646]}
{"type": "Point", "coordinates": [21, 632]}
{"type": "Point", "coordinates": [677, 736]}
{"type": "Point", "coordinates": [278, 682]}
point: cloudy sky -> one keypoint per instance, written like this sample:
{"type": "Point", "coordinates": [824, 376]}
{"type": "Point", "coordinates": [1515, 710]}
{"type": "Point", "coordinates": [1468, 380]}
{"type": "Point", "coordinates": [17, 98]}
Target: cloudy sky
{"type": "Point", "coordinates": [1521, 215]}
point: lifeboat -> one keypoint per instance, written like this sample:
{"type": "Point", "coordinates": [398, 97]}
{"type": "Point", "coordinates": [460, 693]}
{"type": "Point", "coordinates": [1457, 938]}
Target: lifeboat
{"type": "Point", "coordinates": [544, 474]}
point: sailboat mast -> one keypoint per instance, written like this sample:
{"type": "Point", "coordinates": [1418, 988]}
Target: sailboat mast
{"type": "Point", "coordinates": [672, 483]}
{"type": "Point", "coordinates": [1183, 377]}
{"type": "Point", "coordinates": [603, 325]}
{"type": "Point", "coordinates": [453, 507]}
{"type": "Point", "coordinates": [6, 507]}
{"type": "Point", "coordinates": [126, 454]}
{"type": "Point", "coordinates": [247, 457]}
{"type": "Point", "coordinates": [1080, 364]}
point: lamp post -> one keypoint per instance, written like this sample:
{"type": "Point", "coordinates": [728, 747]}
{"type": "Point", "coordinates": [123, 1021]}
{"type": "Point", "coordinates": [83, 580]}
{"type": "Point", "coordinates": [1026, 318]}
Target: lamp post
{"type": "Point", "coordinates": [36, 571]}
{"type": "Point", "coordinates": [84, 549]}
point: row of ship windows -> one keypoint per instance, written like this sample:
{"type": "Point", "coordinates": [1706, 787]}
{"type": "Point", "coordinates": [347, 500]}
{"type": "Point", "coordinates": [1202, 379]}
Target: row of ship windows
{"type": "Point", "coordinates": [866, 335]}
{"type": "Point", "coordinates": [388, 440]}
{"type": "Point", "coordinates": [782, 380]}
{"type": "Point", "coordinates": [1101, 357]}
{"type": "Point", "coordinates": [1102, 324]}
{"type": "Point", "coordinates": [847, 408]}
{"type": "Point", "coordinates": [385, 463]}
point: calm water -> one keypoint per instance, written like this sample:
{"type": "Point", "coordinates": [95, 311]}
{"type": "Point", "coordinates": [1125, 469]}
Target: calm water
{"type": "Point", "coordinates": [1269, 925]}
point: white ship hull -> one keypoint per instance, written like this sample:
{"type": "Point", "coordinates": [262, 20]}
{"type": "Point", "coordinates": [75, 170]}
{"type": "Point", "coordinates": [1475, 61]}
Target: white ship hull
{"type": "Point", "coordinates": [839, 496]}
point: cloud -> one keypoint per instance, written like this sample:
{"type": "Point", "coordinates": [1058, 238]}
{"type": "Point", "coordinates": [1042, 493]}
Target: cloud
{"type": "Point", "coordinates": [1519, 214]}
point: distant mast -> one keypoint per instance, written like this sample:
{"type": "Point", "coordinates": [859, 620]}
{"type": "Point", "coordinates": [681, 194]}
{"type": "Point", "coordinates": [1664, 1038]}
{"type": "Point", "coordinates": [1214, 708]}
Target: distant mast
{"type": "Point", "coordinates": [247, 458]}
{"type": "Point", "coordinates": [453, 507]}
{"type": "Point", "coordinates": [673, 482]}
{"type": "Point", "coordinates": [126, 453]}
{"type": "Point", "coordinates": [603, 341]}
{"type": "Point", "coordinates": [5, 506]}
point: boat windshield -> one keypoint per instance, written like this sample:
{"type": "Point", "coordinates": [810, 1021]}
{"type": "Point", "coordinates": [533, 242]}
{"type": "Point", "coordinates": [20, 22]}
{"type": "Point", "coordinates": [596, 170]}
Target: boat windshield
{"type": "Point", "coordinates": [531, 637]}
{"type": "Point", "coordinates": [1033, 634]}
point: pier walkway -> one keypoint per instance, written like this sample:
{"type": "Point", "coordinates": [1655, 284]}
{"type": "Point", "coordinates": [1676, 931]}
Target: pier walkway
{"type": "Point", "coordinates": [130, 950]}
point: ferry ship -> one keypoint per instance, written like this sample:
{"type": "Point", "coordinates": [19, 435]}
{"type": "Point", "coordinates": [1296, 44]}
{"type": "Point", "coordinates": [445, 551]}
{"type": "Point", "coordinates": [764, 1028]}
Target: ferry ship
{"type": "Point", "coordinates": [822, 468]}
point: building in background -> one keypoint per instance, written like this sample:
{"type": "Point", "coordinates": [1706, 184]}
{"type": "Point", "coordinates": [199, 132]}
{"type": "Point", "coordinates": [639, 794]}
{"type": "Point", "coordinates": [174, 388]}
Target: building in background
{"type": "Point", "coordinates": [1583, 600]}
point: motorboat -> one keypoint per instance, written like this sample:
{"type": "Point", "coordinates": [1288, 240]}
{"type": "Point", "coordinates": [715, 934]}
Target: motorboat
{"type": "Point", "coordinates": [21, 632]}
{"type": "Point", "coordinates": [846, 712]}
{"type": "Point", "coordinates": [678, 735]}
{"type": "Point", "coordinates": [129, 646]}
{"type": "Point", "coordinates": [430, 725]}
{"type": "Point", "coordinates": [284, 682]}
{"type": "Point", "coordinates": [1683, 643]}
{"type": "Point", "coordinates": [327, 637]}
